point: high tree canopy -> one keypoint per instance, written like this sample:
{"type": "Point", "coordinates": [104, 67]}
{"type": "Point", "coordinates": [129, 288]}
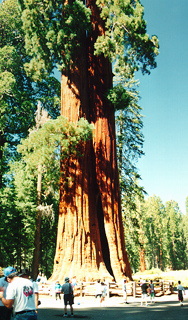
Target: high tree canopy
{"type": "Point", "coordinates": [18, 92]}
{"type": "Point", "coordinates": [85, 40]}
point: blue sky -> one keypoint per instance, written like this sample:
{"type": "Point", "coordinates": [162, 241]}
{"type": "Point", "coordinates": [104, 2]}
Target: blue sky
{"type": "Point", "coordinates": [164, 99]}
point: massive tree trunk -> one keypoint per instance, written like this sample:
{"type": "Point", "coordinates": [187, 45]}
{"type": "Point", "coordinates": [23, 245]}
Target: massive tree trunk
{"type": "Point", "coordinates": [90, 241]}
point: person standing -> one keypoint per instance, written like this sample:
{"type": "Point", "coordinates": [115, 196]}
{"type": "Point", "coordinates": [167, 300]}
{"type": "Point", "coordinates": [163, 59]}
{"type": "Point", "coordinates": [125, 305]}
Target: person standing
{"type": "Point", "coordinates": [57, 290]}
{"type": "Point", "coordinates": [151, 291]}
{"type": "Point", "coordinates": [144, 288]}
{"type": "Point", "coordinates": [103, 292]}
{"type": "Point", "coordinates": [125, 290]}
{"type": "Point", "coordinates": [20, 296]}
{"type": "Point", "coordinates": [5, 313]}
{"type": "Point", "coordinates": [180, 289]}
{"type": "Point", "coordinates": [68, 296]}
{"type": "Point", "coordinates": [74, 282]}
{"type": "Point", "coordinates": [98, 289]}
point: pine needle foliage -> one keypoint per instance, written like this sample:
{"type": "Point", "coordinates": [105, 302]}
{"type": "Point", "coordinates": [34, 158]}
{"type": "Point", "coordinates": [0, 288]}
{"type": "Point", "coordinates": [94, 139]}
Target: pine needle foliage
{"type": "Point", "coordinates": [125, 41]}
{"type": "Point", "coordinates": [43, 146]}
{"type": "Point", "coordinates": [55, 29]}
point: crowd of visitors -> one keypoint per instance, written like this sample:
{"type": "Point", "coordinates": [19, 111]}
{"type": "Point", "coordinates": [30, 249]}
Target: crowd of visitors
{"type": "Point", "coordinates": [19, 295]}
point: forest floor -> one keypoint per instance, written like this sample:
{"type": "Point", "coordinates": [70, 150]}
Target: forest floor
{"type": "Point", "coordinates": [164, 308]}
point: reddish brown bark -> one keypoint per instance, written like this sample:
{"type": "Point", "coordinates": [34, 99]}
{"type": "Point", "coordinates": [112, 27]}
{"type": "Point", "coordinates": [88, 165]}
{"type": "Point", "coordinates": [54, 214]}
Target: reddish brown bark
{"type": "Point", "coordinates": [142, 260]}
{"type": "Point", "coordinates": [90, 241]}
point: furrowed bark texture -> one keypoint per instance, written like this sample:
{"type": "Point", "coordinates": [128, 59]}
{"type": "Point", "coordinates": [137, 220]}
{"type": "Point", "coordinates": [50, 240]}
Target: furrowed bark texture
{"type": "Point", "coordinates": [90, 240]}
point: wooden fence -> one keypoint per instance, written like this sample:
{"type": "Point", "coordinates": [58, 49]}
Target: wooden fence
{"type": "Point", "coordinates": [113, 288]}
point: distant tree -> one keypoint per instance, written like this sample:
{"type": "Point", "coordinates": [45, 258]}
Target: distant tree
{"type": "Point", "coordinates": [185, 230]}
{"type": "Point", "coordinates": [12, 237]}
{"type": "Point", "coordinates": [176, 242]}
{"type": "Point", "coordinates": [155, 230]}
{"type": "Point", "coordinates": [155, 234]}
{"type": "Point", "coordinates": [135, 233]}
{"type": "Point", "coordinates": [186, 205]}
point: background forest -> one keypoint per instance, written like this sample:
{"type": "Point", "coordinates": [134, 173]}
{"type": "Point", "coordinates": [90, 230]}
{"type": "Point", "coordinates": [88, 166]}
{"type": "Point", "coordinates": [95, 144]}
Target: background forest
{"type": "Point", "coordinates": [156, 234]}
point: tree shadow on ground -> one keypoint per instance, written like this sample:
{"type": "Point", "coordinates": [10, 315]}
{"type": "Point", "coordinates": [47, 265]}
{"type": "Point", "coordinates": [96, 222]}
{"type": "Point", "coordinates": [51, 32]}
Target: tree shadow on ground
{"type": "Point", "coordinates": [163, 310]}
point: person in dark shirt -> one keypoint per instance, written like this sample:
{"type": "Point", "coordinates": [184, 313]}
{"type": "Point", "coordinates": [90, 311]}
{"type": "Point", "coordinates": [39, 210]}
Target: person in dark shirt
{"type": "Point", "coordinates": [144, 288]}
{"type": "Point", "coordinates": [68, 296]}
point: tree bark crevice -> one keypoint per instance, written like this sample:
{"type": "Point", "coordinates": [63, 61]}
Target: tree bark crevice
{"type": "Point", "coordinates": [93, 196]}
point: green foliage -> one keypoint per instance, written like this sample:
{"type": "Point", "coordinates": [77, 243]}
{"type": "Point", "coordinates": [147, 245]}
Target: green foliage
{"type": "Point", "coordinates": [125, 40]}
{"type": "Point", "coordinates": [129, 139]}
{"type": "Point", "coordinates": [15, 230]}
{"type": "Point", "coordinates": [176, 241]}
{"type": "Point", "coordinates": [17, 223]}
{"type": "Point", "coordinates": [54, 30]}
{"type": "Point", "coordinates": [51, 32]}
{"type": "Point", "coordinates": [18, 98]}
{"type": "Point", "coordinates": [43, 145]}
{"type": "Point", "coordinates": [120, 97]}
{"type": "Point", "coordinates": [42, 149]}
{"type": "Point", "coordinates": [154, 213]}
{"type": "Point", "coordinates": [159, 229]}
{"type": "Point", "coordinates": [18, 93]}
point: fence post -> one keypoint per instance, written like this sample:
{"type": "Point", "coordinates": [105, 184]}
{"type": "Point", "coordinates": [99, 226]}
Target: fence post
{"type": "Point", "coordinates": [108, 289]}
{"type": "Point", "coordinates": [81, 288]}
{"type": "Point", "coordinates": [134, 288]}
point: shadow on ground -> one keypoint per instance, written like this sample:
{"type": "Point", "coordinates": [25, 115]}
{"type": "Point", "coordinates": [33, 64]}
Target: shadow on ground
{"type": "Point", "coordinates": [133, 311]}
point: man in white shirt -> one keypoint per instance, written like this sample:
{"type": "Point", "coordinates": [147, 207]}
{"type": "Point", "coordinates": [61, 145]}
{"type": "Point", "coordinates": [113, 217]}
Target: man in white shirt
{"type": "Point", "coordinates": [20, 295]}
{"type": "Point", "coordinates": [26, 274]}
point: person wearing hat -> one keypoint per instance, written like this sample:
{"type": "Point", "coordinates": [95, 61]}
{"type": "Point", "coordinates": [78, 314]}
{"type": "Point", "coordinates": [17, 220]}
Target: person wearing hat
{"type": "Point", "coordinates": [5, 313]}
{"type": "Point", "coordinates": [68, 296]}
{"type": "Point", "coordinates": [20, 296]}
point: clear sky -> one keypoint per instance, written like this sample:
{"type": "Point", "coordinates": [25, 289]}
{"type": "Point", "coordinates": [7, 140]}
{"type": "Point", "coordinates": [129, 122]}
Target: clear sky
{"type": "Point", "coordinates": [164, 99]}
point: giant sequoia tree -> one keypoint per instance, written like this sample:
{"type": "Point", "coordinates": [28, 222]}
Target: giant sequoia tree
{"type": "Point", "coordinates": [85, 40]}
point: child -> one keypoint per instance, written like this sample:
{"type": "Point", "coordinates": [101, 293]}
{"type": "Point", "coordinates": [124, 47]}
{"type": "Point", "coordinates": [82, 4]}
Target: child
{"type": "Point", "coordinates": [103, 291]}
{"type": "Point", "coordinates": [57, 290]}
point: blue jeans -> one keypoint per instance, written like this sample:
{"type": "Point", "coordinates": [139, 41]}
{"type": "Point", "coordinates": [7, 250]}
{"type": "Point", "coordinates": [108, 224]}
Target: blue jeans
{"type": "Point", "coordinates": [26, 316]}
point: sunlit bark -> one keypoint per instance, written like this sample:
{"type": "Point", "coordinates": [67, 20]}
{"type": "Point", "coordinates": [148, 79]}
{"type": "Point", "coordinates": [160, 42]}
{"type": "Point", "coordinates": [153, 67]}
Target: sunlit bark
{"type": "Point", "coordinates": [90, 241]}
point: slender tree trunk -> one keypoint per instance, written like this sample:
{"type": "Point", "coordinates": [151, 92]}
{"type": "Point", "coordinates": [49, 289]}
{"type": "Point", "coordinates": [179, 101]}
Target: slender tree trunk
{"type": "Point", "coordinates": [142, 260]}
{"type": "Point", "coordinates": [2, 144]}
{"type": "Point", "coordinates": [36, 254]}
{"type": "Point", "coordinates": [90, 241]}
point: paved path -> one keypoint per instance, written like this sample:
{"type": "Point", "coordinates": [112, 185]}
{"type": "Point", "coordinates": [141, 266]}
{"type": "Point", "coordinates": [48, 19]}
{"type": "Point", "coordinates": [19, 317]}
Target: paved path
{"type": "Point", "coordinates": [165, 308]}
